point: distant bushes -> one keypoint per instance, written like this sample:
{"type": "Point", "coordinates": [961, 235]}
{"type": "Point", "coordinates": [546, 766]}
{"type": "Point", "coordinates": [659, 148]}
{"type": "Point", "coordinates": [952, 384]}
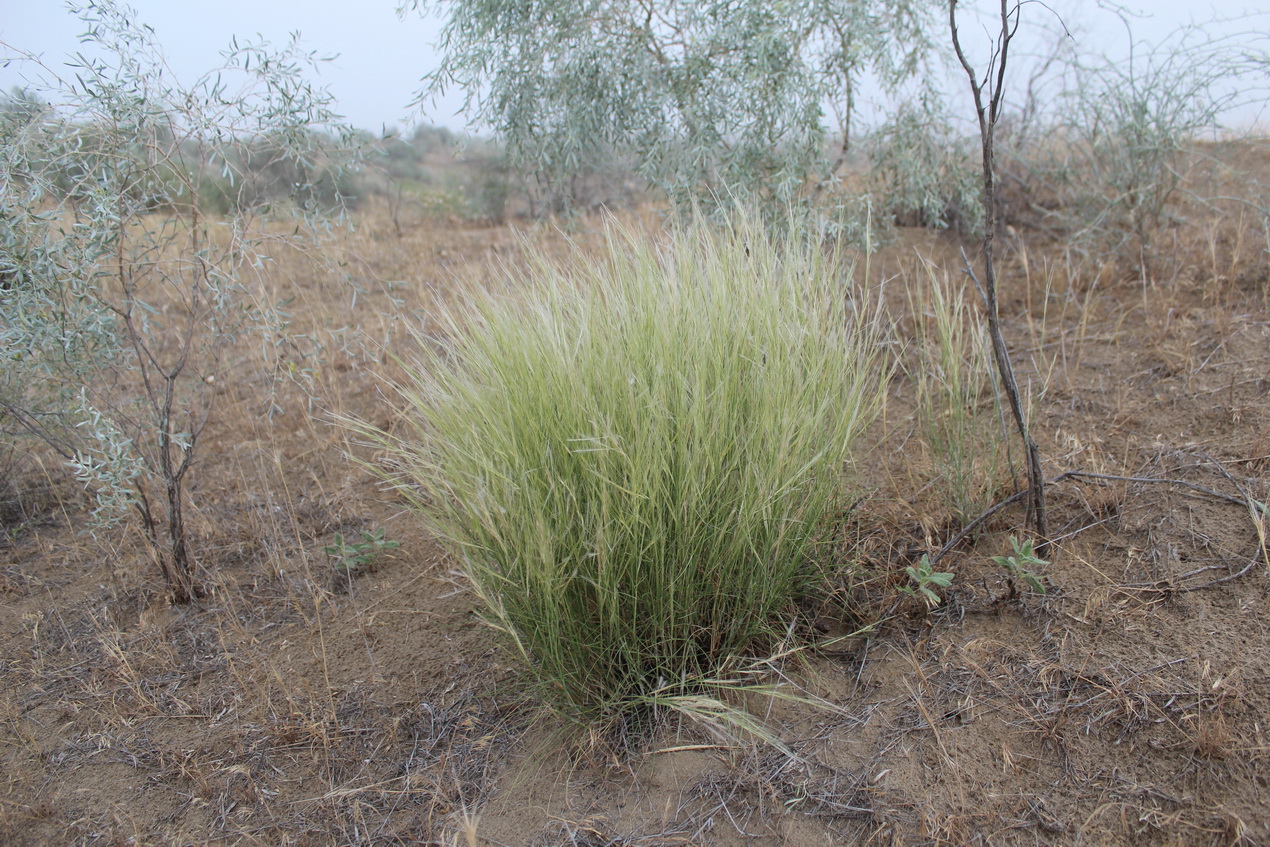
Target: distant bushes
{"type": "Point", "coordinates": [921, 172]}
{"type": "Point", "coordinates": [434, 170]}
{"type": "Point", "coordinates": [1101, 162]}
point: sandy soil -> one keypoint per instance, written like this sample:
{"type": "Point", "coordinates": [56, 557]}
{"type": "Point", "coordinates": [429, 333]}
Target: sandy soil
{"type": "Point", "coordinates": [295, 705]}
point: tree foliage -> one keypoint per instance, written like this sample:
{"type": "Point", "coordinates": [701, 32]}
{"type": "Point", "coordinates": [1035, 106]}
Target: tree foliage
{"type": "Point", "coordinates": [119, 292]}
{"type": "Point", "coordinates": [723, 97]}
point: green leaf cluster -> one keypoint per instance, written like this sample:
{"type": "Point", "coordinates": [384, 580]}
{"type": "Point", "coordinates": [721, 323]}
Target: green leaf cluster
{"type": "Point", "coordinates": [349, 556]}
{"type": "Point", "coordinates": [1022, 562]}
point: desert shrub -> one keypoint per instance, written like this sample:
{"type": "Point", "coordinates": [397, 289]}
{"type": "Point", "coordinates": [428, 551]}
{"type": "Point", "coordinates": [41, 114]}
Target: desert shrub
{"type": "Point", "coordinates": [120, 294]}
{"type": "Point", "coordinates": [634, 459]}
{"type": "Point", "coordinates": [1105, 167]}
{"type": "Point", "coordinates": [923, 173]}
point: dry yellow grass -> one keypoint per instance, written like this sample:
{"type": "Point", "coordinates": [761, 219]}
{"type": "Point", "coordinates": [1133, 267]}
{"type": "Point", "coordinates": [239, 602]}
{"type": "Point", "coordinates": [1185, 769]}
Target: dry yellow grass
{"type": "Point", "coordinates": [289, 706]}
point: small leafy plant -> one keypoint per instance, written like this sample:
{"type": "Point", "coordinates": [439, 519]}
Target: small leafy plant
{"type": "Point", "coordinates": [925, 576]}
{"type": "Point", "coordinates": [1021, 564]}
{"type": "Point", "coordinates": [351, 556]}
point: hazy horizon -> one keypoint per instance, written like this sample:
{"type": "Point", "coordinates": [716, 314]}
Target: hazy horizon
{"type": "Point", "coordinates": [380, 57]}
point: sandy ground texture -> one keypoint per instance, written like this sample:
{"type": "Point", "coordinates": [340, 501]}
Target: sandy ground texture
{"type": "Point", "coordinates": [295, 704]}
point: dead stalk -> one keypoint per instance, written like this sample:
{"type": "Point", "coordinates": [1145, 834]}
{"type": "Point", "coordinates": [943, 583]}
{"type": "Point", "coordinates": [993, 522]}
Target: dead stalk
{"type": "Point", "coordinates": [988, 114]}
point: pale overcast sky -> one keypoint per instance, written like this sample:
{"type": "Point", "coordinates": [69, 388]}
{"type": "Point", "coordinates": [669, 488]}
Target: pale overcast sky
{"type": "Point", "coordinates": [382, 56]}
{"type": "Point", "coordinates": [375, 75]}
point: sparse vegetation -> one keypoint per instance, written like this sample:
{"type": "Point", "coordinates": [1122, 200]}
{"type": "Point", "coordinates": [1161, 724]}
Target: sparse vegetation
{"type": "Point", "coordinates": [349, 556]}
{"type": "Point", "coordinates": [124, 294]}
{"type": "Point", "coordinates": [1103, 166]}
{"type": "Point", "coordinates": [959, 408]}
{"type": "Point", "coordinates": [646, 455]}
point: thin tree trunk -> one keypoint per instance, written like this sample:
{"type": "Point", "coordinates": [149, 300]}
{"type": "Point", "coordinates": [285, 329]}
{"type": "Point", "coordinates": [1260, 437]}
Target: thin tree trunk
{"type": "Point", "coordinates": [988, 114]}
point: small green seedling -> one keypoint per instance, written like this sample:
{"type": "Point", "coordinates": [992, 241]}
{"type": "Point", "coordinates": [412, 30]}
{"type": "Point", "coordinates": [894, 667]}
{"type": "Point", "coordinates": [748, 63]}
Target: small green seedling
{"type": "Point", "coordinates": [1021, 563]}
{"type": "Point", "coordinates": [925, 576]}
{"type": "Point", "coordinates": [350, 556]}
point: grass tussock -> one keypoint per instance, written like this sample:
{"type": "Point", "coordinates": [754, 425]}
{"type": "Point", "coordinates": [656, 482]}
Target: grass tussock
{"type": "Point", "coordinates": [635, 458]}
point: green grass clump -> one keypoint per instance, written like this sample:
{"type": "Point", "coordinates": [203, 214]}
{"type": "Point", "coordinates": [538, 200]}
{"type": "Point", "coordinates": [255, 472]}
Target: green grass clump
{"type": "Point", "coordinates": [635, 459]}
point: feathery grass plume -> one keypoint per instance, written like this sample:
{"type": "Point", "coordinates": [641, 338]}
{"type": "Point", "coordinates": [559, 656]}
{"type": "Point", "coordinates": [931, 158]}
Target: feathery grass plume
{"type": "Point", "coordinates": [635, 459]}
